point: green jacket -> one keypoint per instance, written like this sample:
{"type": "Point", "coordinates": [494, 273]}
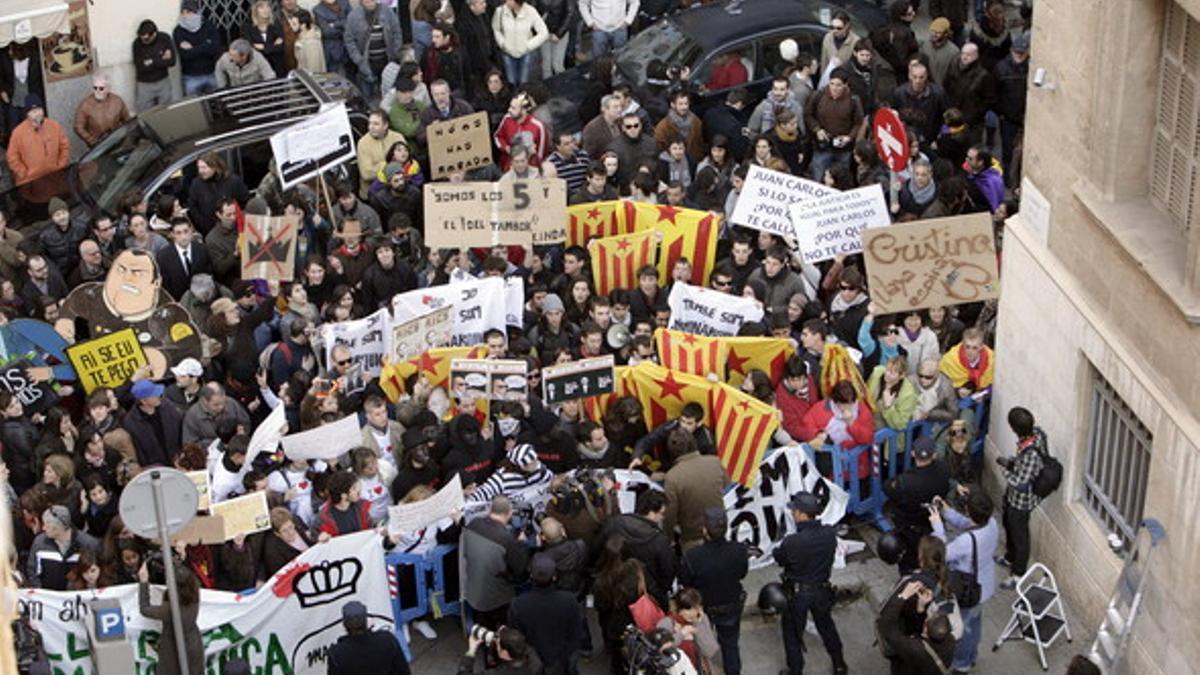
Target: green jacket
{"type": "Point", "coordinates": [406, 119]}
{"type": "Point", "coordinates": [900, 413]}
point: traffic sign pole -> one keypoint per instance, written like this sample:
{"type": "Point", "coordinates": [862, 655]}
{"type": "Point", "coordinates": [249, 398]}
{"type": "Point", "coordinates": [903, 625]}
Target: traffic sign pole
{"type": "Point", "coordinates": [160, 514]}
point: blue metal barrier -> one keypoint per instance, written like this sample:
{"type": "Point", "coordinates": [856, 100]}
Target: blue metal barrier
{"type": "Point", "coordinates": [845, 475]}
{"type": "Point", "coordinates": [404, 566]}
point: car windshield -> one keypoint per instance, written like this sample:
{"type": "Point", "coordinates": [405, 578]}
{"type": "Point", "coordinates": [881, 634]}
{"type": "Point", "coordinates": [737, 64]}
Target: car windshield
{"type": "Point", "coordinates": [662, 41]}
{"type": "Point", "coordinates": [117, 165]}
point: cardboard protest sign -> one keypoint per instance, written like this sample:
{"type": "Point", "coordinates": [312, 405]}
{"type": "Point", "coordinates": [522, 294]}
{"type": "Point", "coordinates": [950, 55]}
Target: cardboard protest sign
{"type": "Point", "coordinates": [477, 306]}
{"type": "Point", "coordinates": [366, 338]}
{"type": "Point", "coordinates": [510, 211]}
{"type": "Point", "coordinates": [496, 380]}
{"type": "Point", "coordinates": [203, 487]}
{"type": "Point", "coordinates": [267, 247]}
{"type": "Point", "coordinates": [759, 516]}
{"type": "Point", "coordinates": [460, 144]}
{"type": "Point", "coordinates": [320, 142]}
{"type": "Point", "coordinates": [403, 518]}
{"type": "Point", "coordinates": [834, 225]}
{"type": "Point", "coordinates": [267, 434]}
{"type": "Point", "coordinates": [704, 311]}
{"type": "Point", "coordinates": [418, 335]}
{"type": "Point", "coordinates": [243, 515]}
{"type": "Point", "coordinates": [35, 396]}
{"type": "Point", "coordinates": [288, 627]}
{"type": "Point", "coordinates": [202, 530]}
{"type": "Point", "coordinates": [765, 196]}
{"type": "Point", "coordinates": [578, 379]}
{"type": "Point", "coordinates": [928, 263]}
{"type": "Point", "coordinates": [324, 442]}
{"type": "Point", "coordinates": [107, 361]}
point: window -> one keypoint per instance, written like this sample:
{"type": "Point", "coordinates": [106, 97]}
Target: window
{"type": "Point", "coordinates": [1118, 462]}
{"type": "Point", "coordinates": [772, 62]}
{"type": "Point", "coordinates": [1175, 171]}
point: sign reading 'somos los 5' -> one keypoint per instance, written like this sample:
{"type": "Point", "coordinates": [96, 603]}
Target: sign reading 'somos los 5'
{"type": "Point", "coordinates": [510, 211]}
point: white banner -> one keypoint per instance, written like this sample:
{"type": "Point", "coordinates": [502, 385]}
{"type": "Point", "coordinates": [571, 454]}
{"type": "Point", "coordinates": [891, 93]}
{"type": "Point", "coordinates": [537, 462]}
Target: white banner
{"type": "Point", "coordinates": [704, 311]}
{"type": "Point", "coordinates": [408, 518]}
{"type": "Point", "coordinates": [326, 441]}
{"type": "Point", "coordinates": [367, 339]}
{"type": "Point", "coordinates": [514, 301]}
{"type": "Point", "coordinates": [305, 149]}
{"type": "Point", "coordinates": [834, 225]}
{"type": "Point", "coordinates": [415, 336]}
{"type": "Point", "coordinates": [765, 196]}
{"type": "Point", "coordinates": [479, 305]}
{"type": "Point", "coordinates": [759, 515]}
{"type": "Point", "coordinates": [287, 626]}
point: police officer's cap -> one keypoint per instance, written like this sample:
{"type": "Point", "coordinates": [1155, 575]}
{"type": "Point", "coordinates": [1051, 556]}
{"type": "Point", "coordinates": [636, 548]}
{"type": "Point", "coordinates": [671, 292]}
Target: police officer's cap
{"type": "Point", "coordinates": [805, 502]}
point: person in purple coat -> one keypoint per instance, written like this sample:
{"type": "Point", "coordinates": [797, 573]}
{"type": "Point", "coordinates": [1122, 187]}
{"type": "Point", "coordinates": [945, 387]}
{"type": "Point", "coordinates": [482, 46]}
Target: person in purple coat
{"type": "Point", "coordinates": [985, 173]}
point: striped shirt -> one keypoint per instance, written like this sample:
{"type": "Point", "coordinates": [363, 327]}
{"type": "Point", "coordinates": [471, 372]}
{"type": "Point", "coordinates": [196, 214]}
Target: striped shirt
{"type": "Point", "coordinates": [573, 170]}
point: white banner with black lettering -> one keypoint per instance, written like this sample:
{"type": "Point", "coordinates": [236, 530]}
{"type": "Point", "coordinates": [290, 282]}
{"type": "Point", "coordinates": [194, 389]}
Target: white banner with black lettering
{"type": "Point", "coordinates": [367, 339]}
{"type": "Point", "coordinates": [834, 225]}
{"type": "Point", "coordinates": [759, 515]}
{"type": "Point", "coordinates": [704, 311]}
{"type": "Point", "coordinates": [763, 202]}
{"type": "Point", "coordinates": [287, 626]}
{"type": "Point", "coordinates": [479, 306]}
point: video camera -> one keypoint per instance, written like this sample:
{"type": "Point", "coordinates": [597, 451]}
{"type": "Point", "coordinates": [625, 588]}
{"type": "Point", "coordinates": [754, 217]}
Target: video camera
{"type": "Point", "coordinates": [644, 657]}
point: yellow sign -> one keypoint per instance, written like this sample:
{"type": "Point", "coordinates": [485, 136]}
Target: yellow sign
{"type": "Point", "coordinates": [200, 478]}
{"type": "Point", "coordinates": [107, 361]}
{"type": "Point", "coordinates": [243, 515]}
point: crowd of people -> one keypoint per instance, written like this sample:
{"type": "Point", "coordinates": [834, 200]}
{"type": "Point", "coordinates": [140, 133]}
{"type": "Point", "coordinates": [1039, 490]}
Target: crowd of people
{"type": "Point", "coordinates": [667, 567]}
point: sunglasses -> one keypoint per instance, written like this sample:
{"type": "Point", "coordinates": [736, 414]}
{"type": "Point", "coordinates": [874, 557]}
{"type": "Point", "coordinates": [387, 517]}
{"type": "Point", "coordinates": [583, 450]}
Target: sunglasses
{"type": "Point", "coordinates": [893, 331]}
{"type": "Point", "coordinates": [926, 378]}
{"type": "Point", "coordinates": [847, 287]}
{"type": "Point", "coordinates": [633, 126]}
{"type": "Point", "coordinates": [344, 362]}
{"type": "Point", "coordinates": [721, 283]}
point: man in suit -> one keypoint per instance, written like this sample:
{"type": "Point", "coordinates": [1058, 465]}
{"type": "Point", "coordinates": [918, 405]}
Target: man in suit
{"type": "Point", "coordinates": [187, 256]}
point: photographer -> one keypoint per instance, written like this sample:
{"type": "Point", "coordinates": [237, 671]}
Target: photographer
{"type": "Point", "coordinates": [362, 649]}
{"type": "Point", "coordinates": [189, 609]}
{"type": "Point", "coordinates": [932, 650]}
{"type": "Point", "coordinates": [507, 646]}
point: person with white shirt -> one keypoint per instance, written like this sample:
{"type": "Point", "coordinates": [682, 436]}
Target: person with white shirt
{"type": "Point", "coordinates": [609, 21]}
{"type": "Point", "coordinates": [226, 477]}
{"type": "Point", "coordinates": [382, 435]}
{"type": "Point", "coordinates": [374, 477]}
{"type": "Point", "coordinates": [291, 480]}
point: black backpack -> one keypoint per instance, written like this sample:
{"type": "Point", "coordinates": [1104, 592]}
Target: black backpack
{"type": "Point", "coordinates": [1049, 478]}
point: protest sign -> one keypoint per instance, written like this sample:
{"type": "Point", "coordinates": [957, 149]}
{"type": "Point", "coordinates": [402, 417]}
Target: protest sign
{"type": "Point", "coordinates": [497, 380]}
{"type": "Point", "coordinates": [460, 144]}
{"type": "Point", "coordinates": [267, 434]}
{"type": "Point", "coordinates": [478, 306]}
{"type": "Point", "coordinates": [630, 484]}
{"type": "Point", "coordinates": [759, 516]}
{"type": "Point", "coordinates": [306, 149]}
{"type": "Point", "coordinates": [324, 442]}
{"type": "Point", "coordinates": [418, 335]}
{"type": "Point", "coordinates": [202, 530]}
{"type": "Point", "coordinates": [514, 301]}
{"type": "Point", "coordinates": [408, 518]}
{"type": "Point", "coordinates": [765, 196]}
{"type": "Point", "coordinates": [366, 338]}
{"type": "Point", "coordinates": [929, 263]}
{"type": "Point", "coordinates": [267, 247]}
{"type": "Point", "coordinates": [203, 487]}
{"type": "Point", "coordinates": [35, 396]}
{"type": "Point", "coordinates": [107, 361]}
{"type": "Point", "coordinates": [578, 379]}
{"type": "Point", "coordinates": [834, 225]}
{"type": "Point", "coordinates": [511, 211]}
{"type": "Point", "coordinates": [243, 515]}
{"type": "Point", "coordinates": [704, 311]}
{"type": "Point", "coordinates": [287, 627]}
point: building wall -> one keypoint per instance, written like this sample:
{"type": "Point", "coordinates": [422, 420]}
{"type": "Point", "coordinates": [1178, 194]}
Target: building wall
{"type": "Point", "coordinates": [1093, 276]}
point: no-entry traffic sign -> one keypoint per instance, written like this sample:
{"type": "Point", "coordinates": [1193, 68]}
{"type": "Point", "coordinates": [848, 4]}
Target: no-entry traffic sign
{"type": "Point", "coordinates": [891, 140]}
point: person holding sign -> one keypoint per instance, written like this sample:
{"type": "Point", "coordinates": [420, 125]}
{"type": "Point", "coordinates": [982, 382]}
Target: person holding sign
{"type": "Point", "coordinates": [344, 512]}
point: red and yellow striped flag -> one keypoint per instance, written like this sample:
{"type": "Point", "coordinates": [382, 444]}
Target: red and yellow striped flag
{"type": "Point", "coordinates": [743, 427]}
{"type": "Point", "coordinates": [836, 365]}
{"type": "Point", "coordinates": [433, 365]}
{"type": "Point", "coordinates": [616, 260]}
{"type": "Point", "coordinates": [597, 219]}
{"type": "Point", "coordinates": [688, 353]}
{"type": "Point", "coordinates": [750, 353]}
{"type": "Point", "coordinates": [664, 392]}
{"type": "Point", "coordinates": [687, 233]}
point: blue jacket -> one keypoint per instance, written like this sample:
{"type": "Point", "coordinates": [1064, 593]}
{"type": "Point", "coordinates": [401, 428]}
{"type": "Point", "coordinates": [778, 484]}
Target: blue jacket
{"type": "Point", "coordinates": [207, 47]}
{"type": "Point", "coordinates": [358, 32]}
{"type": "Point", "coordinates": [333, 27]}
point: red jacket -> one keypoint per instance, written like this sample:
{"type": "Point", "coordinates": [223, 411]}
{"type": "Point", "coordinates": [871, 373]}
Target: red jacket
{"type": "Point", "coordinates": [530, 132]}
{"type": "Point", "coordinates": [326, 524]}
{"type": "Point", "coordinates": [862, 430]}
{"type": "Point", "coordinates": [794, 407]}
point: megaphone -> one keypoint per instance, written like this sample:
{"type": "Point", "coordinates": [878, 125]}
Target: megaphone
{"type": "Point", "coordinates": [618, 336]}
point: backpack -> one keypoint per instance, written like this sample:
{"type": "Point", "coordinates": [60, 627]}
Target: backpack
{"type": "Point", "coordinates": [264, 357]}
{"type": "Point", "coordinates": [1049, 478]}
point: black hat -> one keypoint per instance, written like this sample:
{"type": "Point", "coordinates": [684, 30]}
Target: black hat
{"type": "Point", "coordinates": [192, 6]}
{"type": "Point", "coordinates": [923, 448]}
{"type": "Point", "coordinates": [541, 569]}
{"type": "Point", "coordinates": [354, 610]}
{"type": "Point", "coordinates": [805, 502]}
{"type": "Point", "coordinates": [714, 519]}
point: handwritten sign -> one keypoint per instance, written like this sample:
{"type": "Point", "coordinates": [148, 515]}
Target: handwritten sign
{"type": "Point", "coordinates": [324, 442]}
{"type": "Point", "coordinates": [929, 263]}
{"type": "Point", "coordinates": [35, 396]}
{"type": "Point", "coordinates": [460, 144]}
{"type": "Point", "coordinates": [107, 361]}
{"type": "Point", "coordinates": [408, 518]}
{"type": "Point", "coordinates": [366, 339]}
{"type": "Point", "coordinates": [833, 225]}
{"type": "Point", "coordinates": [766, 195]}
{"type": "Point", "coordinates": [512, 211]}
{"type": "Point", "coordinates": [416, 336]}
{"type": "Point", "coordinates": [578, 379]}
{"type": "Point", "coordinates": [243, 515]}
{"type": "Point", "coordinates": [203, 487]}
{"type": "Point", "coordinates": [267, 247]}
{"type": "Point", "coordinates": [704, 311]}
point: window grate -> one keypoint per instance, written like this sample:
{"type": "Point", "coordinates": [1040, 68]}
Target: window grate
{"type": "Point", "coordinates": [1174, 165]}
{"type": "Point", "coordinates": [1118, 462]}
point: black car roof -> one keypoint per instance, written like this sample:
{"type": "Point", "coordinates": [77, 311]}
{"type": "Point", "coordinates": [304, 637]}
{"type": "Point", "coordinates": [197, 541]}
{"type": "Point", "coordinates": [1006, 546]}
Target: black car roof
{"type": "Point", "coordinates": [712, 26]}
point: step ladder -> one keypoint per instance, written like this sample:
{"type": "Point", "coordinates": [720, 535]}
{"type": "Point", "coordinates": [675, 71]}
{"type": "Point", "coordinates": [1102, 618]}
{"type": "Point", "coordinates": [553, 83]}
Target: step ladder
{"type": "Point", "coordinates": [1038, 615]}
{"type": "Point", "coordinates": [1112, 638]}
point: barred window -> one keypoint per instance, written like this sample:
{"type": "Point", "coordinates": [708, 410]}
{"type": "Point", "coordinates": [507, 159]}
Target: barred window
{"type": "Point", "coordinates": [227, 15]}
{"type": "Point", "coordinates": [1175, 171]}
{"type": "Point", "coordinates": [1118, 462]}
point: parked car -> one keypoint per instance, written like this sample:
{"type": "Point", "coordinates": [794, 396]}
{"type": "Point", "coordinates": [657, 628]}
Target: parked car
{"type": "Point", "coordinates": [157, 149]}
{"type": "Point", "coordinates": [701, 36]}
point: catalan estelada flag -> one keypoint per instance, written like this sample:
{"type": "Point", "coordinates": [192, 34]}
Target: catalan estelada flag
{"type": "Point", "coordinates": [664, 392]}
{"type": "Point", "coordinates": [743, 427]}
{"type": "Point", "coordinates": [597, 219]}
{"type": "Point", "coordinates": [688, 353]}
{"type": "Point", "coordinates": [616, 260]}
{"type": "Point", "coordinates": [756, 353]}
{"type": "Point", "coordinates": [686, 233]}
{"type": "Point", "coordinates": [836, 365]}
{"type": "Point", "coordinates": [434, 365]}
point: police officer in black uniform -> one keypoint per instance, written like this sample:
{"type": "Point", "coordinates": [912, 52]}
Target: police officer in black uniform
{"type": "Point", "coordinates": [909, 495]}
{"type": "Point", "coordinates": [806, 557]}
{"type": "Point", "coordinates": [716, 569]}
